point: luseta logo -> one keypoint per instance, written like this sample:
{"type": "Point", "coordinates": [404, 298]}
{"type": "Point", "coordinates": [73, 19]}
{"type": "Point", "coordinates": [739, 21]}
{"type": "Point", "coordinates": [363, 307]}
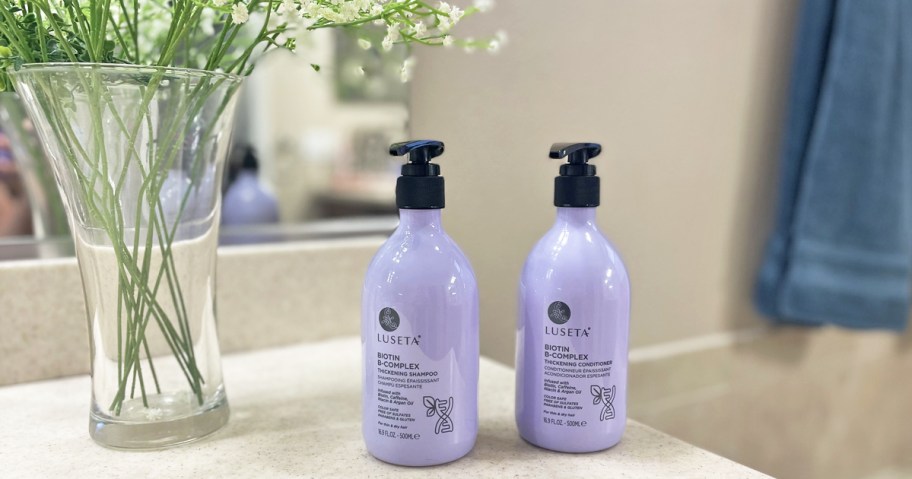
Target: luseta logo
{"type": "Point", "coordinates": [559, 312]}
{"type": "Point", "coordinates": [389, 319]}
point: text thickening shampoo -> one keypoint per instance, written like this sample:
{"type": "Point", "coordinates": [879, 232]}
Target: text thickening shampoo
{"type": "Point", "coordinates": [419, 329]}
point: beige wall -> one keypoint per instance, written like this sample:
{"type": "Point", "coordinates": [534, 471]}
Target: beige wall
{"type": "Point", "coordinates": [686, 98]}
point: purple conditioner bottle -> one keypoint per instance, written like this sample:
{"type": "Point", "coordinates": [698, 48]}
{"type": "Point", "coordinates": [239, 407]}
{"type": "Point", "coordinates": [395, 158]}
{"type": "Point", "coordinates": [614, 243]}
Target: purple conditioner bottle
{"type": "Point", "coordinates": [574, 315]}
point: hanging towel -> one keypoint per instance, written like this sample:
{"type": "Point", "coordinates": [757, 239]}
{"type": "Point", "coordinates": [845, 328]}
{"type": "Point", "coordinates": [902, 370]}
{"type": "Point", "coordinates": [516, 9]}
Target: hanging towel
{"type": "Point", "coordinates": [841, 252]}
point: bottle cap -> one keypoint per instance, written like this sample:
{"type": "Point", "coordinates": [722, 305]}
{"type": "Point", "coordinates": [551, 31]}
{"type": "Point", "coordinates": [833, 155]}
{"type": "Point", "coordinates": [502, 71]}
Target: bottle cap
{"type": "Point", "coordinates": [250, 160]}
{"type": "Point", "coordinates": [420, 186]}
{"type": "Point", "coordinates": [577, 186]}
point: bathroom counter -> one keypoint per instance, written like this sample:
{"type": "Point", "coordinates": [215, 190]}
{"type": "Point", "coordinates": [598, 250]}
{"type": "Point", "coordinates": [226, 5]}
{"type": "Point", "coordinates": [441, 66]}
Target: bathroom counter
{"type": "Point", "coordinates": [296, 412]}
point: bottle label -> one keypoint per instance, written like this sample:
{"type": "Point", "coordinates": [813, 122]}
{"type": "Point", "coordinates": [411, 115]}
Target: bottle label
{"type": "Point", "coordinates": [576, 377]}
{"type": "Point", "coordinates": [410, 398]}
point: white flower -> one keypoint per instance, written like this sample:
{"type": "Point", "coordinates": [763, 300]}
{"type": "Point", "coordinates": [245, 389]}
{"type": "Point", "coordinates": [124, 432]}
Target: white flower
{"type": "Point", "coordinates": [484, 5]}
{"type": "Point", "coordinates": [287, 7]}
{"type": "Point", "coordinates": [405, 74]}
{"type": "Point", "coordinates": [309, 8]}
{"type": "Point", "coordinates": [392, 32]}
{"type": "Point", "coordinates": [239, 14]}
{"type": "Point", "coordinates": [420, 29]}
{"type": "Point", "coordinates": [444, 24]}
{"type": "Point", "coordinates": [444, 7]}
{"type": "Point", "coordinates": [330, 14]}
{"type": "Point", "coordinates": [376, 9]}
{"type": "Point", "coordinates": [455, 14]}
{"type": "Point", "coordinates": [219, 3]}
{"type": "Point", "coordinates": [349, 12]}
{"type": "Point", "coordinates": [499, 40]}
{"type": "Point", "coordinates": [364, 43]}
{"type": "Point", "coordinates": [447, 41]}
{"type": "Point", "coordinates": [387, 44]}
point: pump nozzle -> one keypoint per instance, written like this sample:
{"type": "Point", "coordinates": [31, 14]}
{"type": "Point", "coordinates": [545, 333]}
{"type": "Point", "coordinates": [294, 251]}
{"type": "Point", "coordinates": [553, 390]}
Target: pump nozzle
{"type": "Point", "coordinates": [580, 153]}
{"type": "Point", "coordinates": [420, 153]}
{"type": "Point", "coordinates": [420, 186]}
{"type": "Point", "coordinates": [577, 185]}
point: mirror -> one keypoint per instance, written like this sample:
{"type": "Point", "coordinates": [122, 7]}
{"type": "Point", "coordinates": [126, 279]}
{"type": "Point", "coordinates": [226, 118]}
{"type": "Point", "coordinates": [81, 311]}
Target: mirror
{"type": "Point", "coordinates": [309, 158]}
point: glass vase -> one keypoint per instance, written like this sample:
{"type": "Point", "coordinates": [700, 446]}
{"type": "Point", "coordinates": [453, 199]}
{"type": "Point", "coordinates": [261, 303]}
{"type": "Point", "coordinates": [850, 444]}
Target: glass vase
{"type": "Point", "coordinates": [138, 154]}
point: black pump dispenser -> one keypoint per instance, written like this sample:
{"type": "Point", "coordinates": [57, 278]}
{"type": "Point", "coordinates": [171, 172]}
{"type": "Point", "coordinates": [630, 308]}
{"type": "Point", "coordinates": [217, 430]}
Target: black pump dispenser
{"type": "Point", "coordinates": [420, 186]}
{"type": "Point", "coordinates": [250, 160]}
{"type": "Point", "coordinates": [577, 186]}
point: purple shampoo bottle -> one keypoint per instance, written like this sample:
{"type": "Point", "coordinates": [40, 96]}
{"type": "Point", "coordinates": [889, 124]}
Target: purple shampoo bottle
{"type": "Point", "coordinates": [574, 316]}
{"type": "Point", "coordinates": [419, 324]}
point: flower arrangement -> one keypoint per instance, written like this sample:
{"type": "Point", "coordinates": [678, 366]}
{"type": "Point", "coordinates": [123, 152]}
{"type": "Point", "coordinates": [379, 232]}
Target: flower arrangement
{"type": "Point", "coordinates": [133, 101]}
{"type": "Point", "coordinates": [212, 35]}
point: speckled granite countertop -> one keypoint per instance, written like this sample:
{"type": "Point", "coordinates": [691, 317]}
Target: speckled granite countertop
{"type": "Point", "coordinates": [296, 413]}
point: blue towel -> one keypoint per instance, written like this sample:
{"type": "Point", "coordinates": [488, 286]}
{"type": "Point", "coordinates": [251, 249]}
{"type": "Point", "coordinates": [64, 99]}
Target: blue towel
{"type": "Point", "coordinates": [841, 252]}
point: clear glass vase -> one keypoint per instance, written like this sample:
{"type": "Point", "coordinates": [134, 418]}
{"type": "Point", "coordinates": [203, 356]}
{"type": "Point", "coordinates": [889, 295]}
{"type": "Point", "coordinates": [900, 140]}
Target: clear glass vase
{"type": "Point", "coordinates": [138, 154]}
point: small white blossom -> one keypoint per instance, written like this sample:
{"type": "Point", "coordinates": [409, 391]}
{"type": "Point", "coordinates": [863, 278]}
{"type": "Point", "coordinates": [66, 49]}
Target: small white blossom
{"type": "Point", "coordinates": [349, 12]}
{"type": "Point", "coordinates": [405, 74]}
{"type": "Point", "coordinates": [444, 24]}
{"type": "Point", "coordinates": [455, 14]}
{"type": "Point", "coordinates": [392, 36]}
{"type": "Point", "coordinates": [376, 9]}
{"type": "Point", "coordinates": [484, 5]}
{"type": "Point", "coordinates": [219, 3]}
{"type": "Point", "coordinates": [330, 14]}
{"type": "Point", "coordinates": [309, 8]}
{"type": "Point", "coordinates": [444, 7]}
{"type": "Point", "coordinates": [447, 41]}
{"type": "Point", "coordinates": [420, 29]}
{"type": "Point", "coordinates": [392, 32]}
{"type": "Point", "coordinates": [239, 14]}
{"type": "Point", "coordinates": [287, 7]}
{"type": "Point", "coordinates": [364, 43]}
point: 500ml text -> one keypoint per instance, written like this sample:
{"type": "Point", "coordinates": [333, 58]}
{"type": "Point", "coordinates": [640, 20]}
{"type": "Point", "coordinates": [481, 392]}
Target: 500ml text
{"type": "Point", "coordinates": [414, 436]}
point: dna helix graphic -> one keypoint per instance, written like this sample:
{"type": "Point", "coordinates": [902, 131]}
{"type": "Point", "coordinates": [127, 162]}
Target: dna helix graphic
{"type": "Point", "coordinates": [442, 409]}
{"type": "Point", "coordinates": [605, 396]}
